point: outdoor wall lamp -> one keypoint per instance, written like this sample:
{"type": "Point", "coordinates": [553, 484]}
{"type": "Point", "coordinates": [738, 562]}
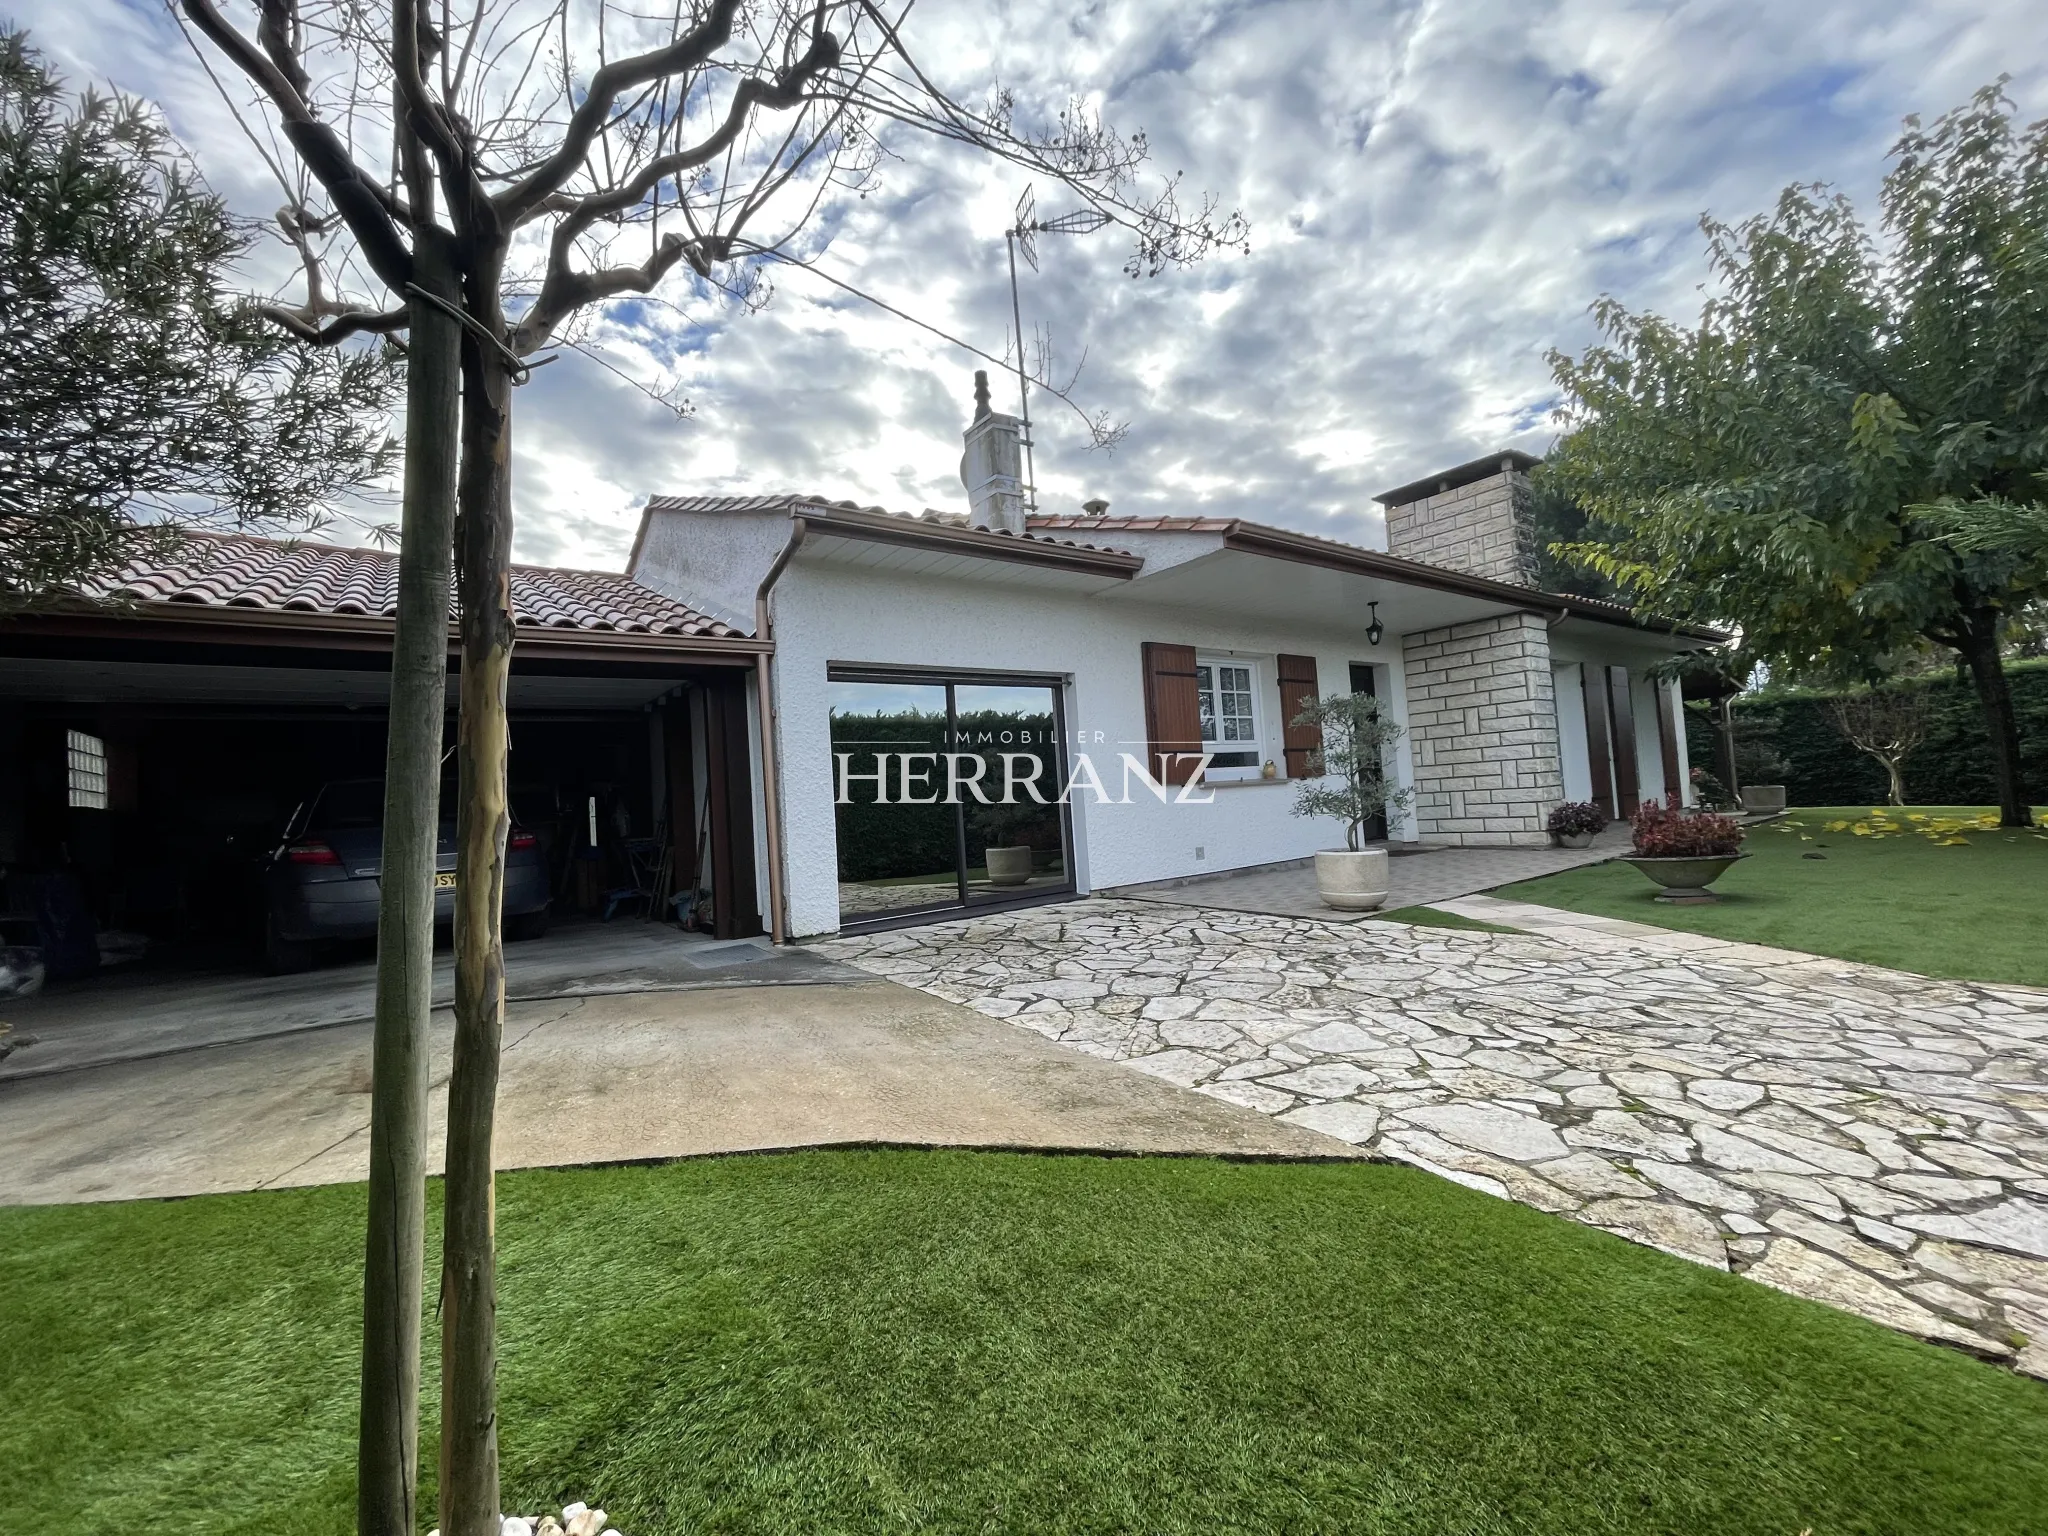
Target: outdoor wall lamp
{"type": "Point", "coordinates": [1375, 629]}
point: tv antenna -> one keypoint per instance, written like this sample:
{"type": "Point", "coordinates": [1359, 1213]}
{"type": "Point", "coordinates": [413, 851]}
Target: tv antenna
{"type": "Point", "coordinates": [1023, 235]}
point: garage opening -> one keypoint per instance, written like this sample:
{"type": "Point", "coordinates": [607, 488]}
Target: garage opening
{"type": "Point", "coordinates": [151, 788]}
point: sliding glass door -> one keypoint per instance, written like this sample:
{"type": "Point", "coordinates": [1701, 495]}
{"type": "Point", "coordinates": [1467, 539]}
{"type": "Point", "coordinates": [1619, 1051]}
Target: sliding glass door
{"type": "Point", "coordinates": [947, 793]}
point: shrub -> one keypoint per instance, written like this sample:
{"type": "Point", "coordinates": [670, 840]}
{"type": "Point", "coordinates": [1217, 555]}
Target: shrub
{"type": "Point", "coordinates": [1348, 776]}
{"type": "Point", "coordinates": [1575, 817]}
{"type": "Point", "coordinates": [1710, 793]}
{"type": "Point", "coordinates": [1670, 831]}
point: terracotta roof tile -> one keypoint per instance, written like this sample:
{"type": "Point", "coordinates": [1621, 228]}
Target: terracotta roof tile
{"type": "Point", "coordinates": [288, 576]}
{"type": "Point", "coordinates": [792, 504]}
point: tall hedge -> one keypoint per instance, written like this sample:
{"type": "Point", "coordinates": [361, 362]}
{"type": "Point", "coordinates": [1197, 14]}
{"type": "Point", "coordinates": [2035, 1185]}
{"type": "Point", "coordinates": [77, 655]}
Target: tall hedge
{"type": "Point", "coordinates": [1952, 767]}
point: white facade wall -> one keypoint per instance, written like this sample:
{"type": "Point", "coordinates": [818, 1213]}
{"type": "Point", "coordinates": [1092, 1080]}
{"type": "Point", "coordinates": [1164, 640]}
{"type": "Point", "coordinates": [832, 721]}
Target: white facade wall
{"type": "Point", "coordinates": [826, 614]}
{"type": "Point", "coordinates": [712, 563]}
{"type": "Point", "coordinates": [1485, 732]}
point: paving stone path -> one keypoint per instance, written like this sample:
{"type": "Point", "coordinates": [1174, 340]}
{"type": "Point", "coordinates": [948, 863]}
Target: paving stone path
{"type": "Point", "coordinates": [1862, 1137]}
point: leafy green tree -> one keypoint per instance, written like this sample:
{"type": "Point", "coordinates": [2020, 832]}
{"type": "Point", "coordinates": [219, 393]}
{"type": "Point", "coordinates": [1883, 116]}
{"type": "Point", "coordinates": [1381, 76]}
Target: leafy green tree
{"type": "Point", "coordinates": [1809, 462]}
{"type": "Point", "coordinates": [1561, 525]}
{"type": "Point", "coordinates": [134, 397]}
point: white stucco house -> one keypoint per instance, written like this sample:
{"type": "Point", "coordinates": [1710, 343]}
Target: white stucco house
{"type": "Point", "coordinates": [1051, 647]}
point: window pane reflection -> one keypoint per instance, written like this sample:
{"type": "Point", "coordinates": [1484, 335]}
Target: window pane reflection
{"type": "Point", "coordinates": [892, 857]}
{"type": "Point", "coordinates": [947, 793]}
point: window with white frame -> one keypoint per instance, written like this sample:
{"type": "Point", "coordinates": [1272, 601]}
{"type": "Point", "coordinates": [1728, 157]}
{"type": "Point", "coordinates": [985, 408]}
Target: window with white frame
{"type": "Point", "coordinates": [85, 770]}
{"type": "Point", "coordinates": [1227, 690]}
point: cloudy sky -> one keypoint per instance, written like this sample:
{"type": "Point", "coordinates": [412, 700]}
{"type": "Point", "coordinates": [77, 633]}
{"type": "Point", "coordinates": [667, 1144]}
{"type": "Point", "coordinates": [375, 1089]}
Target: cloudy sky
{"type": "Point", "coordinates": [1437, 191]}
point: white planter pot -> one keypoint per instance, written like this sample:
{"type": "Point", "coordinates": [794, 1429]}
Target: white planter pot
{"type": "Point", "coordinates": [1009, 866]}
{"type": "Point", "coordinates": [1352, 882]}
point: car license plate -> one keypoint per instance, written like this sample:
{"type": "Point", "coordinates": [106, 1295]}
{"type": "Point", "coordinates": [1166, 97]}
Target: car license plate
{"type": "Point", "coordinates": [444, 882]}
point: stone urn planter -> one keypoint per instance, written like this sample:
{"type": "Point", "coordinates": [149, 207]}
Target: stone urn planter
{"type": "Point", "coordinates": [1763, 799]}
{"type": "Point", "coordinates": [1352, 882]}
{"type": "Point", "coordinates": [1009, 866]}
{"type": "Point", "coordinates": [1685, 878]}
{"type": "Point", "coordinates": [1574, 839]}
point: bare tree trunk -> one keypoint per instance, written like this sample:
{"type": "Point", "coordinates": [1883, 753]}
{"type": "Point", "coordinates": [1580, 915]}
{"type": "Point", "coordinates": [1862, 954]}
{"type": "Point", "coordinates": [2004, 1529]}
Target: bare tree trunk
{"type": "Point", "coordinates": [1979, 648]}
{"type": "Point", "coordinates": [1891, 766]}
{"type": "Point", "coordinates": [393, 1263]}
{"type": "Point", "coordinates": [469, 1426]}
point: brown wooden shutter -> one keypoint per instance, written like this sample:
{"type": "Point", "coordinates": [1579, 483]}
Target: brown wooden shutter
{"type": "Point", "coordinates": [1627, 784]}
{"type": "Point", "coordinates": [1297, 692]}
{"type": "Point", "coordinates": [1173, 712]}
{"type": "Point", "coordinates": [1599, 762]}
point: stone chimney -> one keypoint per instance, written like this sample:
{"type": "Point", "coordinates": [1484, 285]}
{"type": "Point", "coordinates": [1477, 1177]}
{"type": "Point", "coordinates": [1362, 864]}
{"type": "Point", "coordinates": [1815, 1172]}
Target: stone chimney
{"type": "Point", "coordinates": [1476, 518]}
{"type": "Point", "coordinates": [992, 468]}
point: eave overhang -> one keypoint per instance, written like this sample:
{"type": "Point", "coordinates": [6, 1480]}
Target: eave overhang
{"type": "Point", "coordinates": [904, 532]}
{"type": "Point", "coordinates": [1307, 549]}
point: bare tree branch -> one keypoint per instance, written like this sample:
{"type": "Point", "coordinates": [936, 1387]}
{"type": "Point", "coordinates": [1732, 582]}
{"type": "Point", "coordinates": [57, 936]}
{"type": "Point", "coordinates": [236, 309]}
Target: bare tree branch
{"type": "Point", "coordinates": [687, 52]}
{"type": "Point", "coordinates": [355, 322]}
{"type": "Point", "coordinates": [366, 206]}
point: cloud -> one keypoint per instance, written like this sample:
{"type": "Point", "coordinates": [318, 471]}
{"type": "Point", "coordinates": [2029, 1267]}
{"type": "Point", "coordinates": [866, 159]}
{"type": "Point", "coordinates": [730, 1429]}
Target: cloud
{"type": "Point", "coordinates": [1437, 192]}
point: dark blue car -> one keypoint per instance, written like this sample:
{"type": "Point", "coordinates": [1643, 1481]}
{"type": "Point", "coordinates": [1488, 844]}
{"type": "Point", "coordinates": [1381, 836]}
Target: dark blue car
{"type": "Point", "coordinates": [321, 881]}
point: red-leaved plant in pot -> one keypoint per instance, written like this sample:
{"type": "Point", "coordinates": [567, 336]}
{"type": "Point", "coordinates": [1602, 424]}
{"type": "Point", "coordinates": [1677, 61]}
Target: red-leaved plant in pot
{"type": "Point", "coordinates": [1683, 851]}
{"type": "Point", "coordinates": [1575, 823]}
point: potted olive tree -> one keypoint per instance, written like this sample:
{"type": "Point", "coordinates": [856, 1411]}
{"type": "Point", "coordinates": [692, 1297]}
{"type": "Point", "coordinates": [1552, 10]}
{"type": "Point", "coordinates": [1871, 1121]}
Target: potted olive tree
{"type": "Point", "coordinates": [1684, 851]}
{"type": "Point", "coordinates": [1348, 780]}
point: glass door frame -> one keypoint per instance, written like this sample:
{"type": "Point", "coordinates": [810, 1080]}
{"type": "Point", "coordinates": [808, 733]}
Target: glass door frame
{"type": "Point", "coordinates": [949, 678]}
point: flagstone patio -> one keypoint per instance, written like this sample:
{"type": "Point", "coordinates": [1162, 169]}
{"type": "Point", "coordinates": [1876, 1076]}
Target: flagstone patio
{"type": "Point", "coordinates": [1415, 878]}
{"type": "Point", "coordinates": [1863, 1137]}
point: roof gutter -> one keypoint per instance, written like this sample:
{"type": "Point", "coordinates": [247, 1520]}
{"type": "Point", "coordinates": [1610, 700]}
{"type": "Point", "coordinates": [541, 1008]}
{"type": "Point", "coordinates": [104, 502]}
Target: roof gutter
{"type": "Point", "coordinates": [771, 765]}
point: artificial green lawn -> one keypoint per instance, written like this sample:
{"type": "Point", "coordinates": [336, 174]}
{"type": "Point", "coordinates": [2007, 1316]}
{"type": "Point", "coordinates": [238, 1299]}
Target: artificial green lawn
{"type": "Point", "coordinates": [955, 1342]}
{"type": "Point", "coordinates": [1975, 907]}
{"type": "Point", "coordinates": [1430, 917]}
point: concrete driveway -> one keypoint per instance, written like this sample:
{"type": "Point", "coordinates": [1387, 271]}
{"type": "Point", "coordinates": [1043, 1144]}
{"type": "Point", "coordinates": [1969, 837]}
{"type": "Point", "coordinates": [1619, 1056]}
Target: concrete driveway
{"type": "Point", "coordinates": [134, 1013]}
{"type": "Point", "coordinates": [611, 1077]}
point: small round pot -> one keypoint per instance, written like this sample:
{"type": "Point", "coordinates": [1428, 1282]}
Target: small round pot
{"type": "Point", "coordinates": [1352, 882]}
{"type": "Point", "coordinates": [1573, 839]}
{"type": "Point", "coordinates": [1685, 880]}
{"type": "Point", "coordinates": [1009, 866]}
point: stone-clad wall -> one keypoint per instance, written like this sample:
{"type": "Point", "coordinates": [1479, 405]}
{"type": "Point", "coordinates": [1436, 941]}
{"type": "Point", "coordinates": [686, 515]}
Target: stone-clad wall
{"type": "Point", "coordinates": [1482, 722]}
{"type": "Point", "coordinates": [1482, 529]}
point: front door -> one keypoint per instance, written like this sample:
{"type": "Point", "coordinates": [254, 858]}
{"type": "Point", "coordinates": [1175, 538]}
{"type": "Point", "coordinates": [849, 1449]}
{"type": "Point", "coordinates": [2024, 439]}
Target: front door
{"type": "Point", "coordinates": [1365, 681]}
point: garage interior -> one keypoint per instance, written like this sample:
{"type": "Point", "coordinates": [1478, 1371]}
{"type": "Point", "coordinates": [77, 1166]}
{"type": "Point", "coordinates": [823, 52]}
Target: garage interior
{"type": "Point", "coordinates": [149, 764]}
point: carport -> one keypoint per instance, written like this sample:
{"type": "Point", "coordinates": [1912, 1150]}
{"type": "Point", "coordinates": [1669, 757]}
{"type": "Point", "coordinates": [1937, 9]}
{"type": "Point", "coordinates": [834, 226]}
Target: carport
{"type": "Point", "coordinates": [154, 743]}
